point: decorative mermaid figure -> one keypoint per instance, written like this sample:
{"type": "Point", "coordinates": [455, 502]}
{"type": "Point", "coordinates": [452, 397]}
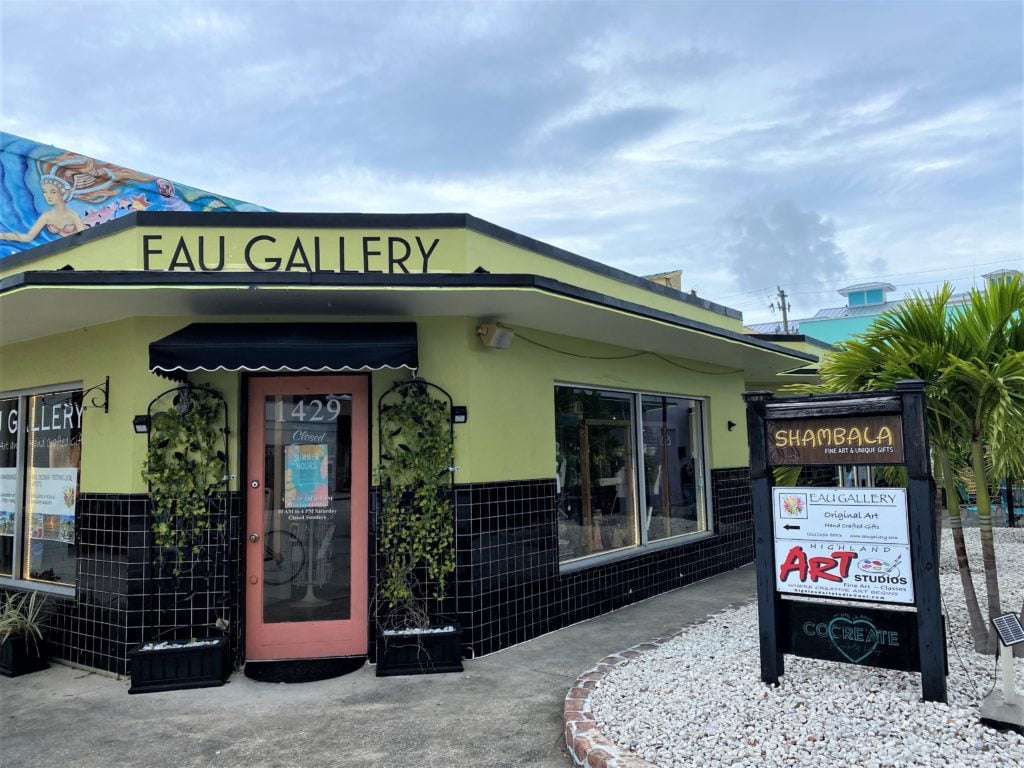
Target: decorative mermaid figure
{"type": "Point", "coordinates": [70, 176]}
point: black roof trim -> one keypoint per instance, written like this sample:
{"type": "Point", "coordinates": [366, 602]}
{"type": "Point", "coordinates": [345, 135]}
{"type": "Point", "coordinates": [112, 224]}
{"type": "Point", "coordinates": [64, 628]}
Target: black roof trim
{"type": "Point", "coordinates": [70, 279]}
{"type": "Point", "coordinates": [792, 337]}
{"type": "Point", "coordinates": [801, 372]}
{"type": "Point", "coordinates": [240, 219]}
{"type": "Point", "coordinates": [554, 252]}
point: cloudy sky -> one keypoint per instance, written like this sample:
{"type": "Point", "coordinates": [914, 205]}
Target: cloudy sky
{"type": "Point", "coordinates": [751, 144]}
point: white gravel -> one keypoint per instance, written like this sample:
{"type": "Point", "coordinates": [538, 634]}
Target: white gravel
{"type": "Point", "coordinates": [698, 699]}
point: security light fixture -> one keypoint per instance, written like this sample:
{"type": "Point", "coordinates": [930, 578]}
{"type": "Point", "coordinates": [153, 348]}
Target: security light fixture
{"type": "Point", "coordinates": [495, 336]}
{"type": "Point", "coordinates": [141, 424]}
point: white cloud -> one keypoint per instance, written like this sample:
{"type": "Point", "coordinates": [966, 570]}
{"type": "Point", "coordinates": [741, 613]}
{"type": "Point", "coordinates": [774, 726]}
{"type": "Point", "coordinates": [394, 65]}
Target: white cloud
{"type": "Point", "coordinates": [192, 22]}
{"type": "Point", "coordinates": [937, 165]}
{"type": "Point", "coordinates": [625, 132]}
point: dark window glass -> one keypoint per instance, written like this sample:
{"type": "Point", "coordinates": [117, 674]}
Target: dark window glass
{"type": "Point", "coordinates": [54, 451]}
{"type": "Point", "coordinates": [596, 471]}
{"type": "Point", "coordinates": [603, 478]}
{"type": "Point", "coordinates": [8, 482]}
{"type": "Point", "coordinates": [307, 508]}
{"type": "Point", "coordinates": [673, 466]}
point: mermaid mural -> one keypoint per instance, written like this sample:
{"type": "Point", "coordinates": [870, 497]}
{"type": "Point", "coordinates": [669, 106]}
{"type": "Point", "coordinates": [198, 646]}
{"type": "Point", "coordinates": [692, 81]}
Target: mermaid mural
{"type": "Point", "coordinates": [48, 193]}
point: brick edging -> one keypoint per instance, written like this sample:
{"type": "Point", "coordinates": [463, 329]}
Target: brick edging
{"type": "Point", "coordinates": [587, 746]}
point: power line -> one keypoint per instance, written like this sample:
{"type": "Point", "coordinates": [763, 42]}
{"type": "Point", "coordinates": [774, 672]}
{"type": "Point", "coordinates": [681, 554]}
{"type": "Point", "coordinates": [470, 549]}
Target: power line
{"type": "Point", "coordinates": [782, 305]}
{"type": "Point", "coordinates": [834, 281]}
{"type": "Point", "coordinates": [827, 292]}
{"type": "Point", "coordinates": [625, 357]}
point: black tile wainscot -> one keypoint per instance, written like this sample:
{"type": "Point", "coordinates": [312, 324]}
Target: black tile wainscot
{"type": "Point", "coordinates": [508, 588]}
{"type": "Point", "coordinates": [111, 611]}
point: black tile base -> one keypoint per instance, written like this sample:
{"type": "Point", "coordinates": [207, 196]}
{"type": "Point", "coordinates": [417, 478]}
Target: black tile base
{"type": "Point", "coordinates": [507, 588]}
{"type": "Point", "coordinates": [112, 609]}
{"type": "Point", "coordinates": [508, 585]}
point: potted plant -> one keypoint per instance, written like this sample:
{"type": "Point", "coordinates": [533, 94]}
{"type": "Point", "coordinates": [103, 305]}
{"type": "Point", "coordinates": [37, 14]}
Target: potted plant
{"type": "Point", "coordinates": [174, 665]}
{"type": "Point", "coordinates": [416, 533]}
{"type": "Point", "coordinates": [22, 649]}
{"type": "Point", "coordinates": [186, 466]}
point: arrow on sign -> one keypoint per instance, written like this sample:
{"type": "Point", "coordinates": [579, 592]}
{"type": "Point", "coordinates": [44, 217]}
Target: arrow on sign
{"type": "Point", "coordinates": [791, 527]}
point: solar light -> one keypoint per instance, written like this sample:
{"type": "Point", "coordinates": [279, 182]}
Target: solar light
{"type": "Point", "coordinates": [1009, 629]}
{"type": "Point", "coordinates": [141, 424]}
{"type": "Point", "coordinates": [1005, 711]}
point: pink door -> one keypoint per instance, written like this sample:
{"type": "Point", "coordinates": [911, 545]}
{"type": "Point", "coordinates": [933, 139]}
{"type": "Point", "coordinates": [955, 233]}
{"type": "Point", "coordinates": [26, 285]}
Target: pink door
{"type": "Point", "coordinates": [306, 586]}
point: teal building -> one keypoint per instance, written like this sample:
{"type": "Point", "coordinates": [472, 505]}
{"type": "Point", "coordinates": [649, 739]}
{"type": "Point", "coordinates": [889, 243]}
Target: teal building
{"type": "Point", "coordinates": [864, 303]}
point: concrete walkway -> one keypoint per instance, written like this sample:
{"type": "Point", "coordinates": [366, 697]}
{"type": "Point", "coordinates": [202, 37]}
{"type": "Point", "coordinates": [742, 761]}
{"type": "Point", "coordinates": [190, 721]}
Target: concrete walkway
{"type": "Point", "coordinates": [504, 710]}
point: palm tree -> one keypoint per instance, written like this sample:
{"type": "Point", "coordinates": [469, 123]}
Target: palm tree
{"type": "Point", "coordinates": [916, 341]}
{"type": "Point", "coordinates": [988, 381]}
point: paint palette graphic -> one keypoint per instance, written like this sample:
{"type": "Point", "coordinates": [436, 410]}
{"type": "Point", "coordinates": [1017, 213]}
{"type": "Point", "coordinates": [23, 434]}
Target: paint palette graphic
{"type": "Point", "coordinates": [878, 566]}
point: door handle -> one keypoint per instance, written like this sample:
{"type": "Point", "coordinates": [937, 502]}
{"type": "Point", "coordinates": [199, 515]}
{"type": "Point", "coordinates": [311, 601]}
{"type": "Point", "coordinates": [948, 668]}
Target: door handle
{"type": "Point", "coordinates": [254, 537]}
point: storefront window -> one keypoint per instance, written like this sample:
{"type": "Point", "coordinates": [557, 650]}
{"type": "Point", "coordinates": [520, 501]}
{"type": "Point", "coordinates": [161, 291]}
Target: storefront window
{"type": "Point", "coordinates": [8, 481]}
{"type": "Point", "coordinates": [40, 456]}
{"type": "Point", "coordinates": [673, 467]}
{"type": "Point", "coordinates": [596, 470]}
{"type": "Point", "coordinates": [608, 469]}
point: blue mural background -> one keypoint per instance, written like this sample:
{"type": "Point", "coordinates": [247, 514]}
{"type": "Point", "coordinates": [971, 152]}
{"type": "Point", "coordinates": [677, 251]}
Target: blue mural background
{"type": "Point", "coordinates": [47, 193]}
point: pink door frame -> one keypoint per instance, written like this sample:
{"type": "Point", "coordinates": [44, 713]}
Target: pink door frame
{"type": "Point", "coordinates": [308, 639]}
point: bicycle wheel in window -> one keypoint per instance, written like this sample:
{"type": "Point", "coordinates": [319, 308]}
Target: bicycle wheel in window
{"type": "Point", "coordinates": [284, 557]}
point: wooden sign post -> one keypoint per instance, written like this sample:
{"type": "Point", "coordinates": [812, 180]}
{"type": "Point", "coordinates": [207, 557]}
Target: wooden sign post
{"type": "Point", "coordinates": [849, 548]}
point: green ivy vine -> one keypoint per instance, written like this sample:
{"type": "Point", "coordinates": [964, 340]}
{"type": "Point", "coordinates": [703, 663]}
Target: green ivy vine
{"type": "Point", "coordinates": [185, 466]}
{"type": "Point", "coordinates": [416, 532]}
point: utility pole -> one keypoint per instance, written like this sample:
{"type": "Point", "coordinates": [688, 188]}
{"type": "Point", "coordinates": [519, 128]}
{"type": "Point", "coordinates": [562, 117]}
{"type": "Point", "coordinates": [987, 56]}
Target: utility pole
{"type": "Point", "coordinates": [783, 305]}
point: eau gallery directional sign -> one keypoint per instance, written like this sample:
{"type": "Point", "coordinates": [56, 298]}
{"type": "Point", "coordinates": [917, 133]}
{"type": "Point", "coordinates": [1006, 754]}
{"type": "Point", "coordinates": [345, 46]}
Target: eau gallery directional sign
{"type": "Point", "coordinates": [843, 543]}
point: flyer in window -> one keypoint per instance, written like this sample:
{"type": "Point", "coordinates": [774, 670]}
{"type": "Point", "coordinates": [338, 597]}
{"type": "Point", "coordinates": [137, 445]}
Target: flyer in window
{"type": "Point", "coordinates": [8, 491]}
{"type": "Point", "coordinates": [305, 479]}
{"type": "Point", "coordinates": [51, 497]}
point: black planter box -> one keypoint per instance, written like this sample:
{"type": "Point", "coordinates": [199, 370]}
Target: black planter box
{"type": "Point", "coordinates": [179, 666]}
{"type": "Point", "coordinates": [19, 656]}
{"type": "Point", "coordinates": [419, 654]}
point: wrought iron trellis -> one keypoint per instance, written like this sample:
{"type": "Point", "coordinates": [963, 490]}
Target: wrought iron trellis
{"type": "Point", "coordinates": [432, 606]}
{"type": "Point", "coordinates": [192, 588]}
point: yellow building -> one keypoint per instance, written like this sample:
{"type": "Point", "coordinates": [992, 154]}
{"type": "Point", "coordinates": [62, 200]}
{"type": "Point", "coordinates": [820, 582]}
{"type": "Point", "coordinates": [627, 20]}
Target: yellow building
{"type": "Point", "coordinates": [599, 441]}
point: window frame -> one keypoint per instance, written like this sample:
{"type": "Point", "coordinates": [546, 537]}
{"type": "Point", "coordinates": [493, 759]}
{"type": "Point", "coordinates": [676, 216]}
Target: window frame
{"type": "Point", "coordinates": [639, 491]}
{"type": "Point", "coordinates": [15, 581]}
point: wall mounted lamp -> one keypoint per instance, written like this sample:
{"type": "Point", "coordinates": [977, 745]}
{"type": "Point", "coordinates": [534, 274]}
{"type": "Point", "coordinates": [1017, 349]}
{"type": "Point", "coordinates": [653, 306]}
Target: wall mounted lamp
{"type": "Point", "coordinates": [495, 336]}
{"type": "Point", "coordinates": [141, 424]}
{"type": "Point", "coordinates": [731, 425]}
